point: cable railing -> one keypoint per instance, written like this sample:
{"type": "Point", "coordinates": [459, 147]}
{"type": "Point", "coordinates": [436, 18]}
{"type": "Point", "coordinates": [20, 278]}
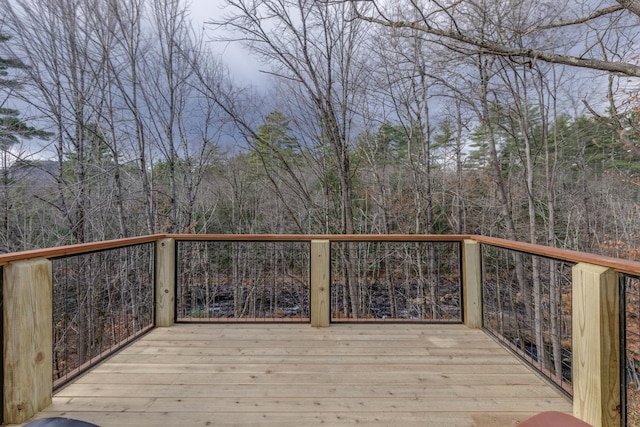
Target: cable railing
{"type": "Point", "coordinates": [235, 279]}
{"type": "Point", "coordinates": [396, 281]}
{"type": "Point", "coordinates": [527, 307]}
{"type": "Point", "coordinates": [1, 337]}
{"type": "Point", "coordinates": [242, 281]}
{"type": "Point", "coordinates": [101, 301]}
{"type": "Point", "coordinates": [630, 338]}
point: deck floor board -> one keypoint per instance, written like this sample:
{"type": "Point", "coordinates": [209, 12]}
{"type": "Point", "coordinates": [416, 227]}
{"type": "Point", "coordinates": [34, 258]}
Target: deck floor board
{"type": "Point", "coordinates": [295, 375]}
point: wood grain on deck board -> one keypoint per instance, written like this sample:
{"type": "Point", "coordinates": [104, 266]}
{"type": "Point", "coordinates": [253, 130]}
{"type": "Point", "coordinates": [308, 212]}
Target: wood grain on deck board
{"type": "Point", "coordinates": [292, 374]}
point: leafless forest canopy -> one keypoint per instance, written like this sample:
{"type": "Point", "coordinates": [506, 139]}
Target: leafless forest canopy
{"type": "Point", "coordinates": [504, 118]}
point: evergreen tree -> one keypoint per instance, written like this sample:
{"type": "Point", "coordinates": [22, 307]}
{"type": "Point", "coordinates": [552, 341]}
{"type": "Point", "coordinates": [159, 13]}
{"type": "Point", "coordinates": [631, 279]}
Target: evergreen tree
{"type": "Point", "coordinates": [274, 143]}
{"type": "Point", "coordinates": [12, 130]}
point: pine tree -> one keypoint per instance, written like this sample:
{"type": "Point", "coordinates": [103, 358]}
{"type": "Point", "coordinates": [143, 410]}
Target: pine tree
{"type": "Point", "coordinates": [12, 130]}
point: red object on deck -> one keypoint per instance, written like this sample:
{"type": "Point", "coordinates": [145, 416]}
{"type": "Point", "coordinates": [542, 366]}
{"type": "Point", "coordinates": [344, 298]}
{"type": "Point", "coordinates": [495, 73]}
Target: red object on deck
{"type": "Point", "coordinates": [553, 419]}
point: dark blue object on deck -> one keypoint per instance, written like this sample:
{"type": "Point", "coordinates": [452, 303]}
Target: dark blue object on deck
{"type": "Point", "coordinates": [59, 422]}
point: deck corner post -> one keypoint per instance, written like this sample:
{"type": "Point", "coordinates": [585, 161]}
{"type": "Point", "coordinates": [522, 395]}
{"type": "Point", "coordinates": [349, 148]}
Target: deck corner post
{"type": "Point", "coordinates": [472, 284]}
{"type": "Point", "coordinates": [320, 283]}
{"type": "Point", "coordinates": [28, 338]}
{"type": "Point", "coordinates": [165, 286]}
{"type": "Point", "coordinates": [596, 345]}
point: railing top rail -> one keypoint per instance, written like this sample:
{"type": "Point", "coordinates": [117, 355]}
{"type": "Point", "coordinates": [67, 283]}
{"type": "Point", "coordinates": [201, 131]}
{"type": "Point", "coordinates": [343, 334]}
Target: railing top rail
{"type": "Point", "coordinates": [624, 266]}
{"type": "Point", "coordinates": [117, 243]}
{"type": "Point", "coordinates": [621, 265]}
{"type": "Point", "coordinates": [331, 237]}
{"type": "Point", "coordinates": [81, 248]}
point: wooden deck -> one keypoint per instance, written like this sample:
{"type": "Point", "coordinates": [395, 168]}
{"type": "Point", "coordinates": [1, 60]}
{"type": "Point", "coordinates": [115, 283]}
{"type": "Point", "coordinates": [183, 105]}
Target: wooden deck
{"type": "Point", "coordinates": [293, 374]}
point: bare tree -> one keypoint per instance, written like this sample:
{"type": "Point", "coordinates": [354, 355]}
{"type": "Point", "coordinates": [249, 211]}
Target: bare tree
{"type": "Point", "coordinates": [313, 46]}
{"type": "Point", "coordinates": [446, 22]}
{"type": "Point", "coordinates": [128, 30]}
{"type": "Point", "coordinates": [166, 90]}
{"type": "Point", "coordinates": [65, 89]}
{"type": "Point", "coordinates": [409, 89]}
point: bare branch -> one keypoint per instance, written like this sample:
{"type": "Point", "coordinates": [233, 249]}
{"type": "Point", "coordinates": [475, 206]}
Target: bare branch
{"type": "Point", "coordinates": [493, 48]}
{"type": "Point", "coordinates": [632, 6]}
{"type": "Point", "coordinates": [594, 15]}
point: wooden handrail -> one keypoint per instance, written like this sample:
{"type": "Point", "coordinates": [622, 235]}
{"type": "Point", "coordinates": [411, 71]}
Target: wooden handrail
{"type": "Point", "coordinates": [330, 237]}
{"type": "Point", "coordinates": [117, 243]}
{"type": "Point", "coordinates": [621, 265]}
{"type": "Point", "coordinates": [78, 248]}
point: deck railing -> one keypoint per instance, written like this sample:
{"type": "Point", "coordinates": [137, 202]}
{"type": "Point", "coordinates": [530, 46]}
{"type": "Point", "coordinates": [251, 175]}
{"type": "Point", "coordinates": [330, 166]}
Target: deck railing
{"type": "Point", "coordinates": [386, 280]}
{"type": "Point", "coordinates": [223, 280]}
{"type": "Point", "coordinates": [526, 302]}
{"type": "Point", "coordinates": [101, 300]}
{"type": "Point", "coordinates": [630, 340]}
{"type": "Point", "coordinates": [591, 312]}
{"type": "Point", "coordinates": [270, 280]}
{"type": "Point", "coordinates": [65, 308]}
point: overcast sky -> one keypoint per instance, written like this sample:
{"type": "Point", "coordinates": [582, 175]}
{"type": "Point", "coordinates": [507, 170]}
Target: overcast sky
{"type": "Point", "coordinates": [241, 65]}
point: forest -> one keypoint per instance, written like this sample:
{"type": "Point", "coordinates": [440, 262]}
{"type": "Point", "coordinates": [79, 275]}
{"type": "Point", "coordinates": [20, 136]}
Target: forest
{"type": "Point", "coordinates": [502, 118]}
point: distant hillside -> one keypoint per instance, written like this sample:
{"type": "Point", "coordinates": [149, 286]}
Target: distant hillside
{"type": "Point", "coordinates": [37, 173]}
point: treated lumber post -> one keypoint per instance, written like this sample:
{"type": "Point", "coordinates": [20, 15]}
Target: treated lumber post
{"type": "Point", "coordinates": [472, 284]}
{"type": "Point", "coordinates": [596, 345]}
{"type": "Point", "coordinates": [165, 282]}
{"type": "Point", "coordinates": [28, 339]}
{"type": "Point", "coordinates": [320, 277]}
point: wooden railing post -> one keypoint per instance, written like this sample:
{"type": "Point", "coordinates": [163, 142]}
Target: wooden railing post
{"type": "Point", "coordinates": [472, 284]}
{"type": "Point", "coordinates": [28, 339]}
{"type": "Point", "coordinates": [596, 345]}
{"type": "Point", "coordinates": [320, 282]}
{"type": "Point", "coordinates": [165, 282]}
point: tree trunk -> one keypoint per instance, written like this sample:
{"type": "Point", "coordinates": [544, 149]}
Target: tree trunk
{"type": "Point", "coordinates": [505, 207]}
